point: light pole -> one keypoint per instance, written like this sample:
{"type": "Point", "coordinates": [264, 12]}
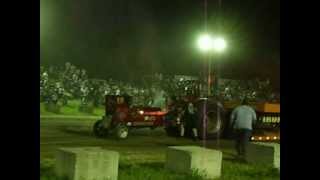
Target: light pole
{"type": "Point", "coordinates": [216, 45]}
{"type": "Point", "coordinates": [219, 46]}
{"type": "Point", "coordinates": [205, 45]}
{"type": "Point", "coordinates": [208, 45]}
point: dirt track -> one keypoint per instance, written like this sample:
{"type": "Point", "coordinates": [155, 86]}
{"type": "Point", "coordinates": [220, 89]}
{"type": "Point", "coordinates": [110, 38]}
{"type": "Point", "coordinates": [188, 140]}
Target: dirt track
{"type": "Point", "coordinates": [143, 143]}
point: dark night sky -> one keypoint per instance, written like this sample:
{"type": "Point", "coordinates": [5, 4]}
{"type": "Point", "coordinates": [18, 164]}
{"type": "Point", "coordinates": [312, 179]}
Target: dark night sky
{"type": "Point", "coordinates": [125, 39]}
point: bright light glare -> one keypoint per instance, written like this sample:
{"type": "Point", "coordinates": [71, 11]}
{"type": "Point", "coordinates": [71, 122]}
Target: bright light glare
{"type": "Point", "coordinates": [205, 43]}
{"type": "Point", "coordinates": [219, 44]}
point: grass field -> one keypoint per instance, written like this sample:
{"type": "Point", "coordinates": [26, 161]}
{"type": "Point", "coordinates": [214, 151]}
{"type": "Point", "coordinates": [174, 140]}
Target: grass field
{"type": "Point", "coordinates": [72, 109]}
{"type": "Point", "coordinates": [142, 155]}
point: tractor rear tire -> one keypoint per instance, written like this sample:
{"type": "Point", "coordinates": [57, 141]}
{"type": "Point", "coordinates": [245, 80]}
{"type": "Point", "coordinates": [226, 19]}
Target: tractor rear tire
{"type": "Point", "coordinates": [122, 131]}
{"type": "Point", "coordinates": [214, 126]}
{"type": "Point", "coordinates": [99, 130]}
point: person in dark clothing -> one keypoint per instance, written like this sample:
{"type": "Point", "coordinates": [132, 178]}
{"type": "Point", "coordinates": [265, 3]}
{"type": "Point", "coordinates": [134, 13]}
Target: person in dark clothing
{"type": "Point", "coordinates": [190, 117]}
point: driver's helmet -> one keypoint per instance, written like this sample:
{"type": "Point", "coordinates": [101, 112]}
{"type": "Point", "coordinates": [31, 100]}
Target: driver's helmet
{"type": "Point", "coordinates": [118, 92]}
{"type": "Point", "coordinates": [120, 100]}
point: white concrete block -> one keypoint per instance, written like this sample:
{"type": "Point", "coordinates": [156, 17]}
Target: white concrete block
{"type": "Point", "coordinates": [276, 154]}
{"type": "Point", "coordinates": [87, 163]}
{"type": "Point", "coordinates": [183, 159]}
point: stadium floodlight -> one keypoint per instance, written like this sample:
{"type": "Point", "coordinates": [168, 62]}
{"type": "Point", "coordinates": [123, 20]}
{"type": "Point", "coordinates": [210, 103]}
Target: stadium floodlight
{"type": "Point", "coordinates": [205, 43]}
{"type": "Point", "coordinates": [219, 44]}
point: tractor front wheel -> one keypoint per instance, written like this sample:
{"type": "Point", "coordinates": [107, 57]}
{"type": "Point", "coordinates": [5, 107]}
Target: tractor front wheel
{"type": "Point", "coordinates": [122, 131]}
{"type": "Point", "coordinates": [99, 130]}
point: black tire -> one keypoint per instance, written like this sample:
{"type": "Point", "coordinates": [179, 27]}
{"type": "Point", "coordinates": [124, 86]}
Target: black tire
{"type": "Point", "coordinates": [122, 131]}
{"type": "Point", "coordinates": [227, 130]}
{"type": "Point", "coordinates": [99, 130]}
{"type": "Point", "coordinates": [208, 111]}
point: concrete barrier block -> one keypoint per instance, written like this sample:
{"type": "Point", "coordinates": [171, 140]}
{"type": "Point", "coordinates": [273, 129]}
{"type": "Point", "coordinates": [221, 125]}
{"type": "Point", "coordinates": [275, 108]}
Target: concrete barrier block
{"type": "Point", "coordinates": [276, 152]}
{"type": "Point", "coordinates": [183, 159]}
{"type": "Point", "coordinates": [87, 163]}
{"type": "Point", "coordinates": [258, 154]}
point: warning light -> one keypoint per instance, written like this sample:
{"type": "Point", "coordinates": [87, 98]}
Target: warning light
{"type": "Point", "coordinates": [268, 138]}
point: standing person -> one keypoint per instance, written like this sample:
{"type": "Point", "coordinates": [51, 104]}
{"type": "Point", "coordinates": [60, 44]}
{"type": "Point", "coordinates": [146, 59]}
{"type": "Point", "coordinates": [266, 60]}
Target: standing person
{"type": "Point", "coordinates": [180, 121]}
{"type": "Point", "coordinates": [178, 113]}
{"type": "Point", "coordinates": [191, 119]}
{"type": "Point", "coordinates": [242, 119]}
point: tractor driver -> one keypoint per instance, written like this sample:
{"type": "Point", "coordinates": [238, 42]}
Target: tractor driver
{"type": "Point", "coordinates": [122, 109]}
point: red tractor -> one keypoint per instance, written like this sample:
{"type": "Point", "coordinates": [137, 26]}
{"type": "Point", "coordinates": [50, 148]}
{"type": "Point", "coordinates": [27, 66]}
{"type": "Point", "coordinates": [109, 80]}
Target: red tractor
{"type": "Point", "coordinates": [120, 117]}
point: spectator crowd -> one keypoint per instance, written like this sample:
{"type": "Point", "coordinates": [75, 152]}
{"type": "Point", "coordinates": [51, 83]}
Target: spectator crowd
{"type": "Point", "coordinates": [62, 84]}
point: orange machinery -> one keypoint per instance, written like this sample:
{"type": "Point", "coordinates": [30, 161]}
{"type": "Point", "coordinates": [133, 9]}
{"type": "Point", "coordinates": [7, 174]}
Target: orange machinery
{"type": "Point", "coordinates": [267, 127]}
